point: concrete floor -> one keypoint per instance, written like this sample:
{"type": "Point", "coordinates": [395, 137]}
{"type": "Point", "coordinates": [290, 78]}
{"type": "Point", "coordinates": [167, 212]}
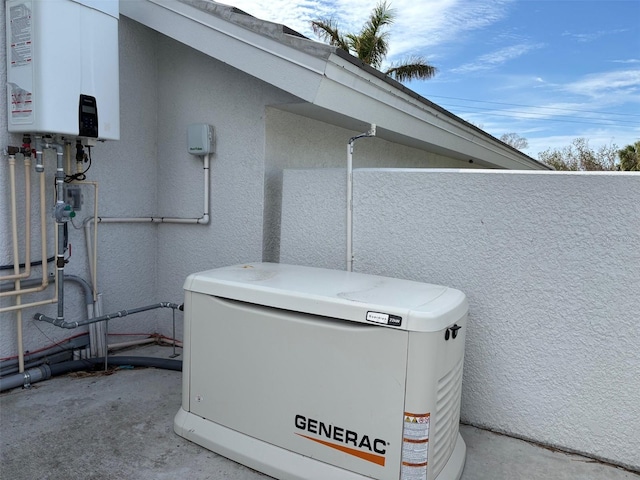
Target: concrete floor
{"type": "Point", "coordinates": [120, 426]}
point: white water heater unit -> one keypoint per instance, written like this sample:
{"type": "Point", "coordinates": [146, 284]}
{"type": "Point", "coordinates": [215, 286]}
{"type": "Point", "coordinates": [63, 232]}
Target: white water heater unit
{"type": "Point", "coordinates": [315, 374]}
{"type": "Point", "coordinates": [62, 67]}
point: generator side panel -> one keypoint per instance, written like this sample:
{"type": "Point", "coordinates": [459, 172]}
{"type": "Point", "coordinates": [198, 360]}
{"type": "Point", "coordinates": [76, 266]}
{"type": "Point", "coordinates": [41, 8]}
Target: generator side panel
{"type": "Point", "coordinates": [327, 389]}
{"type": "Point", "coordinates": [434, 388]}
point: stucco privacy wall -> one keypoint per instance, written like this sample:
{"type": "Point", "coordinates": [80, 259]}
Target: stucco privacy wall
{"type": "Point", "coordinates": [294, 141]}
{"type": "Point", "coordinates": [551, 267]}
{"type": "Point", "coordinates": [127, 174]}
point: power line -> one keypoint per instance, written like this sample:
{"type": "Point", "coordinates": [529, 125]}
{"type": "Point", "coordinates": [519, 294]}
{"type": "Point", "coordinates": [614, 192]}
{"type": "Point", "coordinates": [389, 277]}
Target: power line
{"type": "Point", "coordinates": [546, 119]}
{"type": "Point", "coordinates": [538, 116]}
{"type": "Point", "coordinates": [535, 106]}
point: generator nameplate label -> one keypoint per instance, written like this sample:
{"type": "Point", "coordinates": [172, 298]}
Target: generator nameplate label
{"type": "Point", "coordinates": [384, 319]}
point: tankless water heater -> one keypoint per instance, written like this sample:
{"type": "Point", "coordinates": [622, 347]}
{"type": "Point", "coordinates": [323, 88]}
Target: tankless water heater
{"type": "Point", "coordinates": [315, 374]}
{"type": "Point", "coordinates": [62, 67]}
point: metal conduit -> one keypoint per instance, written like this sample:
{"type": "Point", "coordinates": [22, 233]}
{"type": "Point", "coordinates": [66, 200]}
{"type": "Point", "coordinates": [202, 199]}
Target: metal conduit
{"type": "Point", "coordinates": [122, 313]}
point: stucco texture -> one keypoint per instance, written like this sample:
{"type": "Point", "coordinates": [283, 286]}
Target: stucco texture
{"type": "Point", "coordinates": [194, 88]}
{"type": "Point", "coordinates": [164, 86]}
{"type": "Point", "coordinates": [551, 268]}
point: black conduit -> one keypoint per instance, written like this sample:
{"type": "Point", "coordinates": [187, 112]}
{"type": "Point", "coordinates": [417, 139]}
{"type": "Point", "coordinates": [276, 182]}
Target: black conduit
{"type": "Point", "coordinates": [44, 372]}
{"type": "Point", "coordinates": [97, 363]}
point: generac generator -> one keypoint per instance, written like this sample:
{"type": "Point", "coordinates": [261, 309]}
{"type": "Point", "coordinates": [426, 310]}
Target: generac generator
{"type": "Point", "coordinates": [315, 374]}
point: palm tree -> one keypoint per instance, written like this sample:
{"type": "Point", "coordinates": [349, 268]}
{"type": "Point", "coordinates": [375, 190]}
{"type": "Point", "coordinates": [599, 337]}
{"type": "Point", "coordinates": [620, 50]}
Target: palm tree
{"type": "Point", "coordinates": [372, 44]}
{"type": "Point", "coordinates": [630, 157]}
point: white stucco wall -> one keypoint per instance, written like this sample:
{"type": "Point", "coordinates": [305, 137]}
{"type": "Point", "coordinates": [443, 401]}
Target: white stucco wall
{"type": "Point", "coordinates": [294, 141]}
{"type": "Point", "coordinates": [197, 89]}
{"type": "Point", "coordinates": [550, 264]}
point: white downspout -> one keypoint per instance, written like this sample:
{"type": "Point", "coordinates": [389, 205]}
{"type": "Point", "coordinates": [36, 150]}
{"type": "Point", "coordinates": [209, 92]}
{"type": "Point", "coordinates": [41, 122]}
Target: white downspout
{"type": "Point", "coordinates": [370, 133]}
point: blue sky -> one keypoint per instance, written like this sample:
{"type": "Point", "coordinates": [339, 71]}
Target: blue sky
{"type": "Point", "coordinates": [548, 70]}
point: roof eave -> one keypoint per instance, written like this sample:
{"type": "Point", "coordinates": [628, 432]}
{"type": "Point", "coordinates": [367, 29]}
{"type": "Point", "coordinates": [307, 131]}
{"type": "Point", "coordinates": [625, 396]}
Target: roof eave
{"type": "Point", "coordinates": [330, 83]}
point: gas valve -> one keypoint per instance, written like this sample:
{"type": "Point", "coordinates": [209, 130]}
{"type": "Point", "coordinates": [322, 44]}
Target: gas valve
{"type": "Point", "coordinates": [63, 212]}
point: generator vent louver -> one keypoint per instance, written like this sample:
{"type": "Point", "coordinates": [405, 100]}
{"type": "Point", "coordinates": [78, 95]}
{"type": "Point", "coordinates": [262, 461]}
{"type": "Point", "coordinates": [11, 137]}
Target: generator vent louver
{"type": "Point", "coordinates": [447, 417]}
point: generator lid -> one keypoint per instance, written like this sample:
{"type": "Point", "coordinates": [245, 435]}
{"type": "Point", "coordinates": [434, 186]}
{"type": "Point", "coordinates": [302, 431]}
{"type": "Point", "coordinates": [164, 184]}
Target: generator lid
{"type": "Point", "coordinates": [357, 297]}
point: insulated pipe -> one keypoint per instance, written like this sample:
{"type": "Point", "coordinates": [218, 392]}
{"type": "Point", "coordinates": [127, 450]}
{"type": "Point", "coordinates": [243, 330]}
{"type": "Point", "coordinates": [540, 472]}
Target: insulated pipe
{"type": "Point", "coordinates": [16, 260]}
{"type": "Point", "coordinates": [370, 133]}
{"type": "Point", "coordinates": [43, 231]}
{"type": "Point", "coordinates": [45, 372]}
{"type": "Point", "coordinates": [14, 218]}
{"type": "Point", "coordinates": [122, 313]}
{"type": "Point", "coordinates": [24, 283]}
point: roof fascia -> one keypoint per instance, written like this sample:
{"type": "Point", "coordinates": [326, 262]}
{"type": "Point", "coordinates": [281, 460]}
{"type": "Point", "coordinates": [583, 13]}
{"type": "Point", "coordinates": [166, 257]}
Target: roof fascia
{"type": "Point", "coordinates": [272, 61]}
{"type": "Point", "coordinates": [375, 100]}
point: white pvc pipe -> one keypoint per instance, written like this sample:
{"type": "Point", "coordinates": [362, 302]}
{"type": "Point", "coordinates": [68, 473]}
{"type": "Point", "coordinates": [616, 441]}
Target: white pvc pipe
{"type": "Point", "coordinates": [350, 205]}
{"type": "Point", "coordinates": [203, 220]}
{"type": "Point", "coordinates": [370, 133]}
{"type": "Point", "coordinates": [92, 247]}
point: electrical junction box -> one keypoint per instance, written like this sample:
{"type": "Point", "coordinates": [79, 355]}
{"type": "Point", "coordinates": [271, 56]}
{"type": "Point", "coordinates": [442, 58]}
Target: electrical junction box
{"type": "Point", "coordinates": [200, 140]}
{"type": "Point", "coordinates": [62, 67]}
{"type": "Point", "coordinates": [315, 374]}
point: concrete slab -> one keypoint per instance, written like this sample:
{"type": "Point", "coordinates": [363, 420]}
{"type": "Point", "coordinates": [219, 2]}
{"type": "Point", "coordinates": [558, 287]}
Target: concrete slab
{"type": "Point", "coordinates": [119, 425]}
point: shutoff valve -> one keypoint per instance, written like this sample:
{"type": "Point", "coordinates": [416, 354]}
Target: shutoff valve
{"type": "Point", "coordinates": [63, 212]}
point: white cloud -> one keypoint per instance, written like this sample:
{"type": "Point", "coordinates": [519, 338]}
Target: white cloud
{"type": "Point", "coordinates": [629, 60]}
{"type": "Point", "coordinates": [492, 60]}
{"type": "Point", "coordinates": [623, 83]}
{"type": "Point", "coordinates": [591, 36]}
{"type": "Point", "coordinates": [419, 25]}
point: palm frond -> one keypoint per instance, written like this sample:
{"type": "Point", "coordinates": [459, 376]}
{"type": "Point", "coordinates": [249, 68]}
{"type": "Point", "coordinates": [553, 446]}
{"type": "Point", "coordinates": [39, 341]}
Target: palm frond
{"type": "Point", "coordinates": [371, 45]}
{"type": "Point", "coordinates": [327, 29]}
{"type": "Point", "coordinates": [413, 68]}
{"type": "Point", "coordinates": [381, 16]}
